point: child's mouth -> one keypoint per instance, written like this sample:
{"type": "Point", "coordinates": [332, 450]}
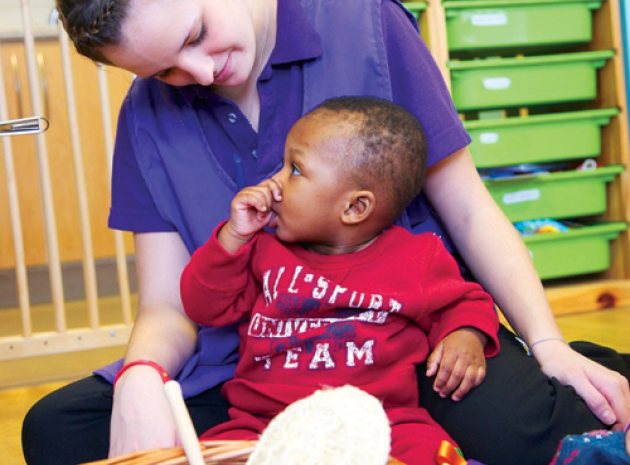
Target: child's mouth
{"type": "Point", "coordinates": [273, 221]}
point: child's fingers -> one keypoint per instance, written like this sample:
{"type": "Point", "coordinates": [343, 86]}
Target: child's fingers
{"type": "Point", "coordinates": [433, 362]}
{"type": "Point", "coordinates": [446, 370]}
{"type": "Point", "coordinates": [257, 197]}
{"type": "Point", "coordinates": [276, 188]}
{"type": "Point", "coordinates": [456, 372]}
{"type": "Point", "coordinates": [473, 378]}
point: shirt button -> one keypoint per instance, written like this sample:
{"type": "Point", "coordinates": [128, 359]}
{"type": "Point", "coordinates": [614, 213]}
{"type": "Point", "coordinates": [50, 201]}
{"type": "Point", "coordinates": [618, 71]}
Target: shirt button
{"type": "Point", "coordinates": [232, 117]}
{"type": "Point", "coordinates": [254, 153]}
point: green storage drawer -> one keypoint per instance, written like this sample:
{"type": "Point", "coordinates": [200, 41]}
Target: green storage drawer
{"type": "Point", "coordinates": [512, 82]}
{"type": "Point", "coordinates": [518, 24]}
{"type": "Point", "coordinates": [564, 194]}
{"type": "Point", "coordinates": [538, 138]}
{"type": "Point", "coordinates": [416, 8]}
{"type": "Point", "coordinates": [578, 251]}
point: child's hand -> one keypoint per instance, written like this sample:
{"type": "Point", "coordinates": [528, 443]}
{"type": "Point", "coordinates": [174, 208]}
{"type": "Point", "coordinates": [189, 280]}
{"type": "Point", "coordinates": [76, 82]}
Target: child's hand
{"type": "Point", "coordinates": [459, 362]}
{"type": "Point", "coordinates": [250, 211]}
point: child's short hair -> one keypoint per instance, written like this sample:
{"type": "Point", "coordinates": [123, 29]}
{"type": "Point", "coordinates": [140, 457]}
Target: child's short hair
{"type": "Point", "coordinates": [385, 150]}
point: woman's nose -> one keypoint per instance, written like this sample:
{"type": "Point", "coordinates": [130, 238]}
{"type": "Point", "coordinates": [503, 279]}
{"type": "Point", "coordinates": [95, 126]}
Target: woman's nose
{"type": "Point", "coordinates": [199, 68]}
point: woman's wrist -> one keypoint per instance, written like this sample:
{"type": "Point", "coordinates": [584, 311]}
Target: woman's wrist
{"type": "Point", "coordinates": [142, 362]}
{"type": "Point", "coordinates": [530, 346]}
{"type": "Point", "coordinates": [545, 340]}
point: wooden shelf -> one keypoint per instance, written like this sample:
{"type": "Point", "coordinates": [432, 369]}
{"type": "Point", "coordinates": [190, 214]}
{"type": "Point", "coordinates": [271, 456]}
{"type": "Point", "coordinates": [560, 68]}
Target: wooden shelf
{"type": "Point", "coordinates": [612, 288]}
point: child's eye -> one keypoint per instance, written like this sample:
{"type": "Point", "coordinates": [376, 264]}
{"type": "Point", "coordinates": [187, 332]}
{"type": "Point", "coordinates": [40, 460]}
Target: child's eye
{"type": "Point", "coordinates": [295, 171]}
{"type": "Point", "coordinates": [202, 35]}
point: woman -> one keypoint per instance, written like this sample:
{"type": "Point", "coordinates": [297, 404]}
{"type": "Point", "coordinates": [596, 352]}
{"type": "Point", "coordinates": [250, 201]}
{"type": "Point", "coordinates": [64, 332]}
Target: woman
{"type": "Point", "coordinates": [220, 83]}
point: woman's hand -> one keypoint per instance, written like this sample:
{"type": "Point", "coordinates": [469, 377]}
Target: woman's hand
{"type": "Point", "coordinates": [459, 362]}
{"type": "Point", "coordinates": [141, 417]}
{"type": "Point", "coordinates": [605, 391]}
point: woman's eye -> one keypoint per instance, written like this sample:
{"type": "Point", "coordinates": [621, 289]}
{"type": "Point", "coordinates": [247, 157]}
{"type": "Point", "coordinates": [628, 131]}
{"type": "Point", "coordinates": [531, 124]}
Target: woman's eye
{"type": "Point", "coordinates": [202, 35]}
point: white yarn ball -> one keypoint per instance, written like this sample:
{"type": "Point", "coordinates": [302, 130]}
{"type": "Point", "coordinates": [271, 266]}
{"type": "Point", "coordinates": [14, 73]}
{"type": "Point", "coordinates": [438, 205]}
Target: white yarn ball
{"type": "Point", "coordinates": [333, 426]}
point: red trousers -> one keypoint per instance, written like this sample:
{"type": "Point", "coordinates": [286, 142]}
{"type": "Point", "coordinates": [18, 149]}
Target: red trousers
{"type": "Point", "coordinates": [415, 438]}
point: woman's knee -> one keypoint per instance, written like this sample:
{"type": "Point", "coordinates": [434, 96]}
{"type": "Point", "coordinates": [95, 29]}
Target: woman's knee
{"type": "Point", "coordinates": [57, 428]}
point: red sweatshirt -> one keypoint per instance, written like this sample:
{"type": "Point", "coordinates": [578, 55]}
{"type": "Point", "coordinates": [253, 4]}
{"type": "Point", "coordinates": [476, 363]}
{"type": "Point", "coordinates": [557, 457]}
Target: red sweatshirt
{"type": "Point", "coordinates": [309, 320]}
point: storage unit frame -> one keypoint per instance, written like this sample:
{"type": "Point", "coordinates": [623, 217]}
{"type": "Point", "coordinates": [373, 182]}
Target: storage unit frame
{"type": "Point", "coordinates": [611, 288]}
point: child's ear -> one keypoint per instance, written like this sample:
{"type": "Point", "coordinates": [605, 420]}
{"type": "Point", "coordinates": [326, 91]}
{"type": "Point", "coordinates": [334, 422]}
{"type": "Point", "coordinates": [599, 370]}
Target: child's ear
{"type": "Point", "coordinates": [359, 207]}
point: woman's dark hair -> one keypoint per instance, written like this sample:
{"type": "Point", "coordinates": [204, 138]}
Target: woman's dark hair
{"type": "Point", "coordinates": [93, 24]}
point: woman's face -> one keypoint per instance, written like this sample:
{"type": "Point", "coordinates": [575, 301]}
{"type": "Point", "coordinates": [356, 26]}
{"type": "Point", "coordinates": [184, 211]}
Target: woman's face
{"type": "Point", "coordinates": [188, 42]}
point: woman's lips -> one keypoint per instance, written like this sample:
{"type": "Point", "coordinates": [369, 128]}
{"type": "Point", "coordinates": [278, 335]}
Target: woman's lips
{"type": "Point", "coordinates": [224, 72]}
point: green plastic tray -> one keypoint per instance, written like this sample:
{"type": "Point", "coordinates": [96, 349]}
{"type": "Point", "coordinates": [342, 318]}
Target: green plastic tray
{"type": "Point", "coordinates": [538, 138]}
{"type": "Point", "coordinates": [564, 194]}
{"type": "Point", "coordinates": [518, 24]}
{"type": "Point", "coordinates": [579, 251]}
{"type": "Point", "coordinates": [416, 8]}
{"type": "Point", "coordinates": [511, 82]}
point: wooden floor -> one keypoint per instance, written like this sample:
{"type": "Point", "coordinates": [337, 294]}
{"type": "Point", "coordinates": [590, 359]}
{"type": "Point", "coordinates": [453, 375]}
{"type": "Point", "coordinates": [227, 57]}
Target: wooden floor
{"type": "Point", "coordinates": [606, 327]}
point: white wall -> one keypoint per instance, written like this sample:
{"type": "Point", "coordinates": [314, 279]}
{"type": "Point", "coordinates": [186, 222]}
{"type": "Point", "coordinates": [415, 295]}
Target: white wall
{"type": "Point", "coordinates": [11, 16]}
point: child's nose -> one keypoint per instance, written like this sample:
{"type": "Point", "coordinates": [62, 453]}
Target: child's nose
{"type": "Point", "coordinates": [281, 175]}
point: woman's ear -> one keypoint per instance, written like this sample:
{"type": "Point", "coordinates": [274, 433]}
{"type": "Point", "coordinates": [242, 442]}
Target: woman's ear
{"type": "Point", "coordinates": [359, 207]}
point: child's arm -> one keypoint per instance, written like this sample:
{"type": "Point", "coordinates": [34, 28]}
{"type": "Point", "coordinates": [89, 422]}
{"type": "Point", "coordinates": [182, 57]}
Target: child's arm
{"type": "Point", "coordinates": [216, 286]}
{"type": "Point", "coordinates": [459, 362]}
{"type": "Point", "coordinates": [250, 211]}
{"type": "Point", "coordinates": [461, 322]}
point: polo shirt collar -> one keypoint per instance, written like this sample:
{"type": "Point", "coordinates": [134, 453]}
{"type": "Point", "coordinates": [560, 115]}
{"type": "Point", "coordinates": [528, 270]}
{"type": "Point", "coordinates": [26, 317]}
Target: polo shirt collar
{"type": "Point", "coordinates": [296, 39]}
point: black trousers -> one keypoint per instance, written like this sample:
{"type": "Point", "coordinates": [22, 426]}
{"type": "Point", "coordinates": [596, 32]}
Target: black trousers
{"type": "Point", "coordinates": [517, 416]}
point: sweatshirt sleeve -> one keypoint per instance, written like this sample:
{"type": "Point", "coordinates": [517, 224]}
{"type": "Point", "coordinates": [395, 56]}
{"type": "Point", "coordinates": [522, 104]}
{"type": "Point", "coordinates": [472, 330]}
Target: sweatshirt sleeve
{"type": "Point", "coordinates": [218, 288]}
{"type": "Point", "coordinates": [453, 303]}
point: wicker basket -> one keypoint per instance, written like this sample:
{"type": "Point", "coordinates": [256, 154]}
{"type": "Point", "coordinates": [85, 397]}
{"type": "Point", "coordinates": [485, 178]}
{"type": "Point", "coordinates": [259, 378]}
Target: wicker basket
{"type": "Point", "coordinates": [214, 453]}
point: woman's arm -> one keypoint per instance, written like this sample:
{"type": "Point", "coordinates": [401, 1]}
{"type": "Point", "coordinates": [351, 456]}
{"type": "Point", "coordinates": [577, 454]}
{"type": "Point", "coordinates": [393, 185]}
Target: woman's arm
{"type": "Point", "coordinates": [141, 418]}
{"type": "Point", "coordinates": [497, 256]}
{"type": "Point", "coordinates": [490, 245]}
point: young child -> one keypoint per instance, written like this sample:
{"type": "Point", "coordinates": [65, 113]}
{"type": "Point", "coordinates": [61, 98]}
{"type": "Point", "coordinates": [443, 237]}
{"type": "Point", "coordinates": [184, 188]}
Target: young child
{"type": "Point", "coordinates": [337, 294]}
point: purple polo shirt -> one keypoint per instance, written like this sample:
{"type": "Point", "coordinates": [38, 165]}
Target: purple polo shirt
{"type": "Point", "coordinates": [249, 157]}
{"type": "Point", "coordinates": [246, 156]}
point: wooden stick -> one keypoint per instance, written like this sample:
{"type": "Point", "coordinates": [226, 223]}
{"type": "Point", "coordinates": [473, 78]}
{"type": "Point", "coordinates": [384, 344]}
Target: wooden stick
{"type": "Point", "coordinates": [16, 222]}
{"type": "Point", "coordinates": [89, 265]}
{"type": "Point", "coordinates": [121, 259]}
{"type": "Point", "coordinates": [185, 428]}
{"type": "Point", "coordinates": [52, 243]}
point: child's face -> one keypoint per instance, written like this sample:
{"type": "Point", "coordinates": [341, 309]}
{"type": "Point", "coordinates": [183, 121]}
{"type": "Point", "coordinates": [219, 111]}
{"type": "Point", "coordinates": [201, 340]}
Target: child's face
{"type": "Point", "coordinates": [313, 185]}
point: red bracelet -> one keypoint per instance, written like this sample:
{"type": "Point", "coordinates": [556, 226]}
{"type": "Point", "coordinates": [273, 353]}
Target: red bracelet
{"type": "Point", "coordinates": [161, 371]}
